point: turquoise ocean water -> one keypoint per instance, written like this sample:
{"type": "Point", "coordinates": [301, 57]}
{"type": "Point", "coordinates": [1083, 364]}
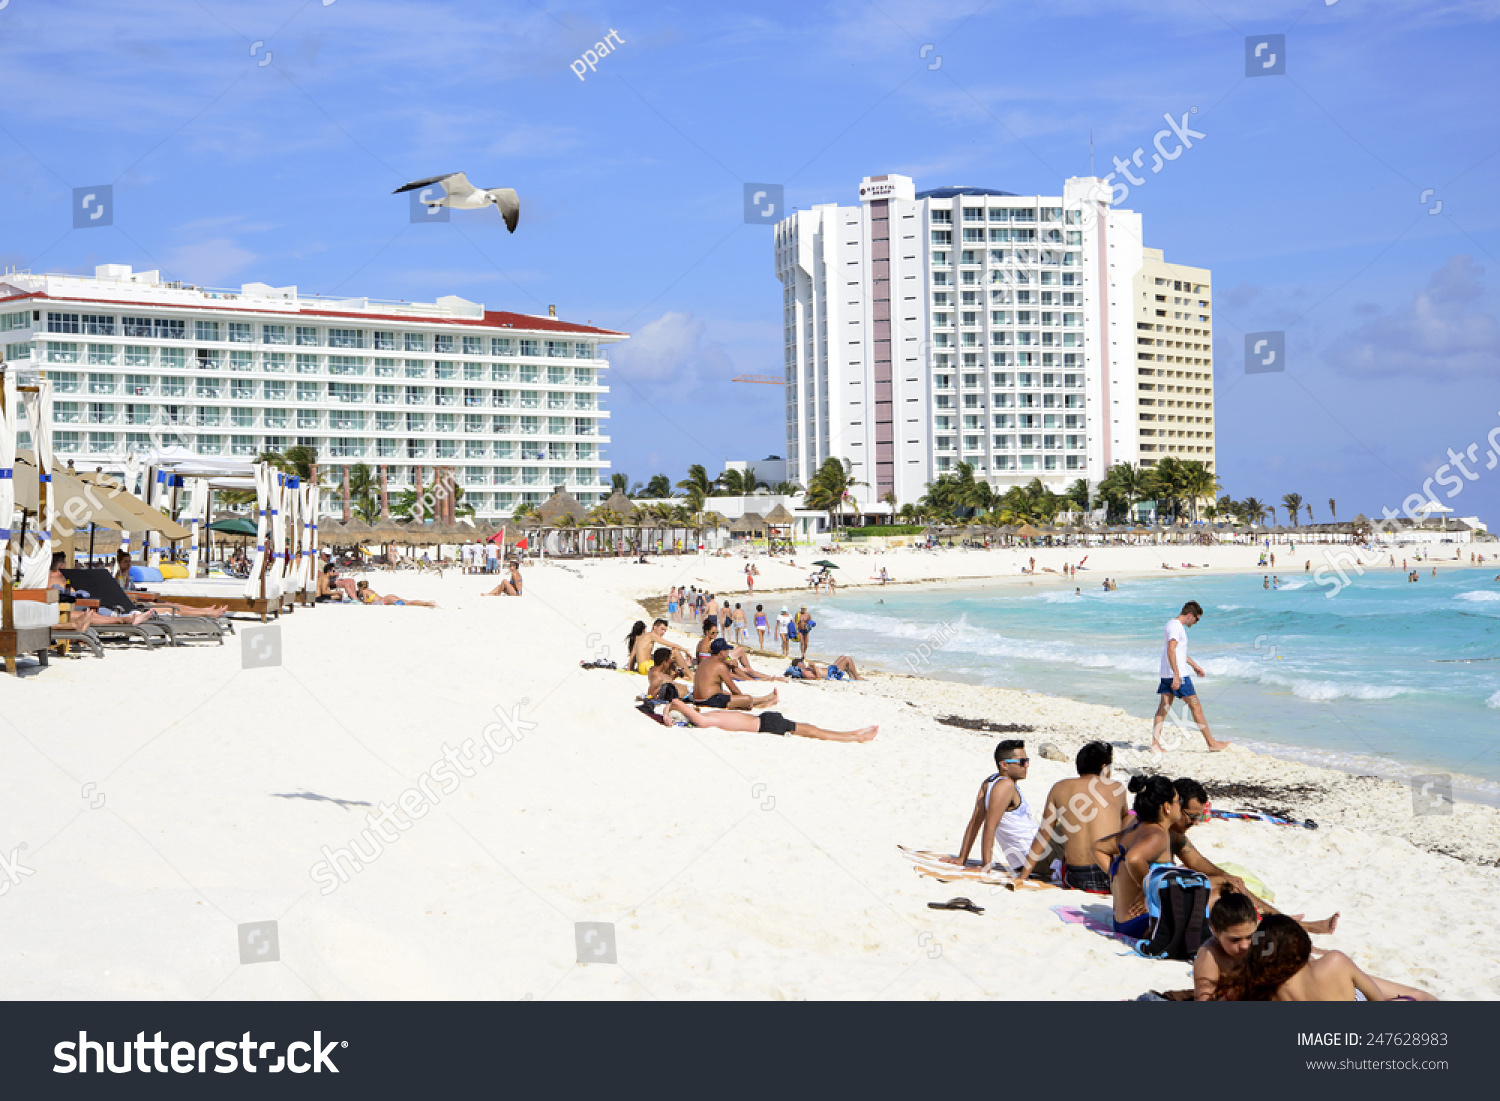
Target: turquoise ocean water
{"type": "Point", "coordinates": [1388, 676]}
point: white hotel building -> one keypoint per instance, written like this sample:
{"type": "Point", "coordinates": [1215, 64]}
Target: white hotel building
{"type": "Point", "coordinates": [965, 324]}
{"type": "Point", "coordinates": [510, 402]}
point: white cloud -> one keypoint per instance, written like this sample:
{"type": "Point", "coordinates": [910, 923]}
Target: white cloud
{"type": "Point", "coordinates": [1444, 333]}
{"type": "Point", "coordinates": [672, 350]}
{"type": "Point", "coordinates": [208, 262]}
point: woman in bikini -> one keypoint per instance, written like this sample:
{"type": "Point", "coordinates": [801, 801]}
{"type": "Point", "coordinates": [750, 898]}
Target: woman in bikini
{"type": "Point", "coordinates": [1134, 850]}
{"type": "Point", "coordinates": [760, 624]}
{"type": "Point", "coordinates": [367, 595]}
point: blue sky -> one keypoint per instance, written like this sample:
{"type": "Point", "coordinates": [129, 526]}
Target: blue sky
{"type": "Point", "coordinates": [1305, 198]}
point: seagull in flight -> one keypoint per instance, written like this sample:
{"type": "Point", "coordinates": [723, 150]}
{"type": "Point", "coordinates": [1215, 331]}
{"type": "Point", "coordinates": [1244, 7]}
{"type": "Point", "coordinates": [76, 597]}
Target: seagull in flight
{"type": "Point", "coordinates": [462, 195]}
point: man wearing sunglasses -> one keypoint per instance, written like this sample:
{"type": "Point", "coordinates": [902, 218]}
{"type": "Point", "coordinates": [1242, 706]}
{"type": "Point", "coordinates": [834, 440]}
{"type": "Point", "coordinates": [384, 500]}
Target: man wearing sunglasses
{"type": "Point", "coordinates": [1195, 808]}
{"type": "Point", "coordinates": [1002, 819]}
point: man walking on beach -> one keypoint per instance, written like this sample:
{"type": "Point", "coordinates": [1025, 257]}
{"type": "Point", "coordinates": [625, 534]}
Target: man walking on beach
{"type": "Point", "coordinates": [1173, 684]}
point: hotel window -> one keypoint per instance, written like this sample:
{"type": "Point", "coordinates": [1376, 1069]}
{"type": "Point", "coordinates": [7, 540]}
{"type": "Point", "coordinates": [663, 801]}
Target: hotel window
{"type": "Point", "coordinates": [473, 398]}
{"type": "Point", "coordinates": [444, 395]}
{"type": "Point", "coordinates": [309, 418]}
{"type": "Point", "coordinates": [502, 372]}
{"type": "Point", "coordinates": [276, 418]}
{"type": "Point", "coordinates": [102, 355]}
{"type": "Point", "coordinates": [61, 353]}
{"type": "Point", "coordinates": [416, 368]}
{"type": "Point", "coordinates": [174, 388]}
{"type": "Point", "coordinates": [307, 364]}
{"type": "Point", "coordinates": [168, 328]}
{"type": "Point", "coordinates": [446, 369]}
{"type": "Point", "coordinates": [385, 368]}
{"type": "Point", "coordinates": [583, 351]}
{"type": "Point", "coordinates": [205, 330]}
{"type": "Point", "coordinates": [346, 338]}
{"type": "Point", "coordinates": [243, 446]}
{"type": "Point", "coordinates": [385, 395]}
{"type": "Point", "coordinates": [209, 416]}
{"type": "Point", "coordinates": [500, 346]}
{"type": "Point", "coordinates": [242, 418]}
{"type": "Point", "coordinates": [531, 348]}
{"type": "Point", "coordinates": [135, 326]}
{"type": "Point", "coordinates": [442, 343]}
{"type": "Point", "coordinates": [273, 334]}
{"type": "Point", "coordinates": [273, 362]}
{"type": "Point", "coordinates": [444, 422]}
{"type": "Point", "coordinates": [473, 345]}
{"type": "Point", "coordinates": [475, 422]}
{"type": "Point", "coordinates": [447, 449]}
{"type": "Point", "coordinates": [62, 323]}
{"type": "Point", "coordinates": [209, 388]}
{"type": "Point", "coordinates": [307, 335]}
{"type": "Point", "coordinates": [383, 341]}
{"type": "Point", "coordinates": [385, 420]}
{"type": "Point", "coordinates": [346, 365]}
{"type": "Point", "coordinates": [416, 395]}
{"type": "Point", "coordinates": [308, 391]}
{"type": "Point", "coordinates": [474, 372]}
{"type": "Point", "coordinates": [415, 342]}
{"type": "Point", "coordinates": [238, 332]}
{"type": "Point", "coordinates": [101, 412]}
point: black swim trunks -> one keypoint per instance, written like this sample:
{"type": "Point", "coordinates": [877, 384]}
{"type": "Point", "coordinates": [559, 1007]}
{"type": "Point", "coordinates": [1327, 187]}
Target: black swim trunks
{"type": "Point", "coordinates": [1086, 877]}
{"type": "Point", "coordinates": [774, 722]}
{"type": "Point", "coordinates": [718, 700]}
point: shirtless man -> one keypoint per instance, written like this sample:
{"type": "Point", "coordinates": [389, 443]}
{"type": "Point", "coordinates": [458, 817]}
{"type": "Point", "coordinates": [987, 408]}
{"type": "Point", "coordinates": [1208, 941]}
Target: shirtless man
{"type": "Point", "coordinates": [641, 650]}
{"type": "Point", "coordinates": [1194, 800]}
{"type": "Point", "coordinates": [714, 687]}
{"type": "Point", "coordinates": [1001, 818]}
{"type": "Point", "coordinates": [769, 722]}
{"type": "Point", "coordinates": [1077, 813]}
{"type": "Point", "coordinates": [665, 670]}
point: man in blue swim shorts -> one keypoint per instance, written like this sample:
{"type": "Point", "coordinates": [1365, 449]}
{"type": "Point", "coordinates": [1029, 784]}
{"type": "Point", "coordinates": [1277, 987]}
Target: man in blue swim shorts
{"type": "Point", "coordinates": [1173, 684]}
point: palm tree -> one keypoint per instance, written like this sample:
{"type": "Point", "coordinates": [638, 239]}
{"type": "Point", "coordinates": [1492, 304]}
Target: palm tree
{"type": "Point", "coordinates": [620, 482]}
{"type": "Point", "coordinates": [1309, 513]}
{"type": "Point", "coordinates": [1253, 512]}
{"type": "Point", "coordinates": [1292, 502]}
{"type": "Point", "coordinates": [786, 489]}
{"type": "Point", "coordinates": [696, 486]}
{"type": "Point", "coordinates": [1331, 511]}
{"type": "Point", "coordinates": [364, 493]}
{"type": "Point", "coordinates": [829, 487]}
{"type": "Point", "coordinates": [741, 483]}
{"type": "Point", "coordinates": [1078, 494]}
{"type": "Point", "coordinates": [520, 512]}
{"type": "Point", "coordinates": [1199, 483]}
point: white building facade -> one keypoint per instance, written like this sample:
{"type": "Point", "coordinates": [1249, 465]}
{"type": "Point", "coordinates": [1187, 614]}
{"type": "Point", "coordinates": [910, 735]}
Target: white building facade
{"type": "Point", "coordinates": [922, 329]}
{"type": "Point", "coordinates": [512, 404]}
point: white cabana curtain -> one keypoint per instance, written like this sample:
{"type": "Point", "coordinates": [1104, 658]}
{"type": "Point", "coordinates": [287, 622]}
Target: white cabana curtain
{"type": "Point", "coordinates": [306, 504]}
{"type": "Point", "coordinates": [262, 530]}
{"type": "Point", "coordinates": [8, 463]}
{"type": "Point", "coordinates": [278, 531]}
{"type": "Point", "coordinates": [132, 476]}
{"type": "Point", "coordinates": [156, 490]}
{"type": "Point", "coordinates": [197, 515]}
{"type": "Point", "coordinates": [35, 569]}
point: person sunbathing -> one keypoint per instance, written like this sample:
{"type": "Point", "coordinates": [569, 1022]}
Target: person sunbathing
{"type": "Point", "coordinates": [1077, 813]}
{"type": "Point", "coordinates": [713, 686]}
{"type": "Point", "coordinates": [839, 668]}
{"type": "Point", "coordinates": [1277, 965]}
{"type": "Point", "coordinates": [769, 722]}
{"type": "Point", "coordinates": [81, 619]}
{"type": "Point", "coordinates": [1002, 818]}
{"type": "Point", "coordinates": [1134, 850]}
{"type": "Point", "coordinates": [511, 586]}
{"type": "Point", "coordinates": [366, 595]}
{"type": "Point", "coordinates": [664, 671]}
{"type": "Point", "coordinates": [740, 668]}
{"type": "Point", "coordinates": [1195, 808]}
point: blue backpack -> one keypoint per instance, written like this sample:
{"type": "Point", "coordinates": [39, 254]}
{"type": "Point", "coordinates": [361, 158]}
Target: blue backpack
{"type": "Point", "coordinates": [1177, 904]}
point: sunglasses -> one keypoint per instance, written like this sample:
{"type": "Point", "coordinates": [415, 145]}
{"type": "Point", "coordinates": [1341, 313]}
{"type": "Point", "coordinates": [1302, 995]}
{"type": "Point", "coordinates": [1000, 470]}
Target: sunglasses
{"type": "Point", "coordinates": [1023, 761]}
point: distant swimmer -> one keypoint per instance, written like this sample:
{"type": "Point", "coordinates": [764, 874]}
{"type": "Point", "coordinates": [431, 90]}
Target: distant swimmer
{"type": "Point", "coordinates": [1173, 684]}
{"type": "Point", "coordinates": [1265, 581]}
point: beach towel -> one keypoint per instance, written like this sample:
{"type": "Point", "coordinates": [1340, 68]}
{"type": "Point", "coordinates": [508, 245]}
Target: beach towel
{"type": "Point", "coordinates": [1096, 919]}
{"type": "Point", "coordinates": [1252, 816]}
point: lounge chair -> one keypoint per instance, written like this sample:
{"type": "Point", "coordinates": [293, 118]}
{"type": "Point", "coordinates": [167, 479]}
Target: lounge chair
{"type": "Point", "coordinates": [102, 586]}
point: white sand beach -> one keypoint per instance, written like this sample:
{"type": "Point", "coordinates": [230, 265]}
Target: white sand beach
{"type": "Point", "coordinates": [165, 798]}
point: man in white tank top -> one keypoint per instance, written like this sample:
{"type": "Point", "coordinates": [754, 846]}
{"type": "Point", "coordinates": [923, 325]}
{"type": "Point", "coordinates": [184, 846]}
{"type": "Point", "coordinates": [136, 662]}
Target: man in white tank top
{"type": "Point", "coordinates": [1002, 820]}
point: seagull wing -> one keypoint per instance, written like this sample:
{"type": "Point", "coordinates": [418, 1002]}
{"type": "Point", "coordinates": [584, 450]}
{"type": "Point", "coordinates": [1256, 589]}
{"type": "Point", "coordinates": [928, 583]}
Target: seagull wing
{"type": "Point", "coordinates": [458, 187]}
{"type": "Point", "coordinates": [510, 205]}
{"type": "Point", "coordinates": [427, 182]}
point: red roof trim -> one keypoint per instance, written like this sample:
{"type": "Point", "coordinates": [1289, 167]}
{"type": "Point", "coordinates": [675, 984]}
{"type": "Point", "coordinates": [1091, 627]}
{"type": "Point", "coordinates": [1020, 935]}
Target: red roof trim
{"type": "Point", "coordinates": [493, 319]}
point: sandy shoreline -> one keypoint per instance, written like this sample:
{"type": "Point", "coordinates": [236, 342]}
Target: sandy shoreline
{"type": "Point", "coordinates": [730, 865]}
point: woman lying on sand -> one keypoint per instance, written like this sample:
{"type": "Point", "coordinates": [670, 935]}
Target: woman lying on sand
{"type": "Point", "coordinates": [367, 595]}
{"type": "Point", "coordinates": [768, 722]}
{"type": "Point", "coordinates": [1276, 965]}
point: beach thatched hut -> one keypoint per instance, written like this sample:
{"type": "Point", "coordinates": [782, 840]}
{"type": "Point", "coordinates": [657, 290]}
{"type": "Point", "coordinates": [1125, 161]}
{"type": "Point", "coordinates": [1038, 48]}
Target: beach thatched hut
{"type": "Point", "coordinates": [561, 503]}
{"type": "Point", "coordinates": [751, 523]}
